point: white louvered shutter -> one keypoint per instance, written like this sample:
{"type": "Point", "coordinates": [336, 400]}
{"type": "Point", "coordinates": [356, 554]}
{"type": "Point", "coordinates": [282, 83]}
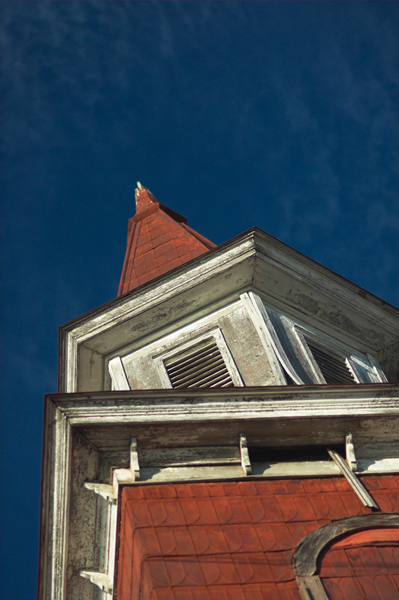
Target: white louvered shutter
{"type": "Point", "coordinates": [201, 366]}
{"type": "Point", "coordinates": [333, 367]}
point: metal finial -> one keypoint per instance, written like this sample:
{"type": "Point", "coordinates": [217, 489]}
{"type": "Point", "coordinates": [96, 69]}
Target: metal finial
{"type": "Point", "coordinates": [139, 186]}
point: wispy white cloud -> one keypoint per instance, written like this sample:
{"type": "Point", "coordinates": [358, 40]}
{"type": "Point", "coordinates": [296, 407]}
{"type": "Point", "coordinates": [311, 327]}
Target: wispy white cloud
{"type": "Point", "coordinates": [306, 99]}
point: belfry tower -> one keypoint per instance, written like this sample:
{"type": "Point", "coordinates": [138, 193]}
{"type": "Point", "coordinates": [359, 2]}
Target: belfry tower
{"type": "Point", "coordinates": [226, 429]}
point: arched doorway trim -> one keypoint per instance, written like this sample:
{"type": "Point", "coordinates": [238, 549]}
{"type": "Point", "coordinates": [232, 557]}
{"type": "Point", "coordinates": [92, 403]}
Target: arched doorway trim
{"type": "Point", "coordinates": [304, 561]}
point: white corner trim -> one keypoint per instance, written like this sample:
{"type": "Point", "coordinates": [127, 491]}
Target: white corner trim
{"type": "Point", "coordinates": [119, 476]}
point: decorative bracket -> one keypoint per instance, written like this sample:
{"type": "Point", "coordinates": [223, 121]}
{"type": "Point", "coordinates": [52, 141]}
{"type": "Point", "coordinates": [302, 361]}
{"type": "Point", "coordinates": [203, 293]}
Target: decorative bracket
{"type": "Point", "coordinates": [110, 492]}
{"type": "Point", "coordinates": [134, 459]}
{"type": "Point", "coordinates": [102, 489]}
{"type": "Point", "coordinates": [350, 452]}
{"type": "Point", "coordinates": [245, 462]}
{"type": "Point", "coordinates": [99, 579]}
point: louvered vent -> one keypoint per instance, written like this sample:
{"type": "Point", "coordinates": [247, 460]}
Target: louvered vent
{"type": "Point", "coordinates": [332, 366]}
{"type": "Point", "coordinates": [199, 366]}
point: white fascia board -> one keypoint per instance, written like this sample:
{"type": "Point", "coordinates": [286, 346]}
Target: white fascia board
{"type": "Point", "coordinates": [223, 405]}
{"type": "Point", "coordinates": [248, 262]}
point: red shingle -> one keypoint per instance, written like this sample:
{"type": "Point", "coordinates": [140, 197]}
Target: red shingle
{"type": "Point", "coordinates": [203, 541]}
{"type": "Point", "coordinates": [166, 257]}
{"type": "Point", "coordinates": [280, 565]}
{"type": "Point", "coordinates": [296, 508]}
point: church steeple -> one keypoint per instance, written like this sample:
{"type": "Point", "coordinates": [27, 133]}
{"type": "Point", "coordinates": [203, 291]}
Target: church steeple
{"type": "Point", "coordinates": [158, 240]}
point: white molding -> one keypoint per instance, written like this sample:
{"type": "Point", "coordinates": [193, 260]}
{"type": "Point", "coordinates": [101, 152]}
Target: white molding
{"type": "Point", "coordinates": [279, 348]}
{"type": "Point", "coordinates": [55, 504]}
{"type": "Point", "coordinates": [278, 402]}
{"type": "Point", "coordinates": [111, 493]}
{"type": "Point", "coordinates": [249, 244]}
{"type": "Point", "coordinates": [104, 580]}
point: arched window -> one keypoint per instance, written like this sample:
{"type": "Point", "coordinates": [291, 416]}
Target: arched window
{"type": "Point", "coordinates": [356, 557]}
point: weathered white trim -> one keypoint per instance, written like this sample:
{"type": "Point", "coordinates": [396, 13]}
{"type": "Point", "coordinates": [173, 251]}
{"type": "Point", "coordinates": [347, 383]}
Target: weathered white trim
{"type": "Point", "coordinates": [279, 348]}
{"type": "Point", "coordinates": [104, 580]}
{"type": "Point", "coordinates": [315, 468]}
{"type": "Point", "coordinates": [256, 311]}
{"type": "Point", "coordinates": [118, 375]}
{"type": "Point", "coordinates": [190, 456]}
{"type": "Point", "coordinates": [134, 459]}
{"type": "Point", "coordinates": [55, 504]}
{"type": "Point", "coordinates": [377, 465]}
{"type": "Point", "coordinates": [221, 405]}
{"type": "Point", "coordinates": [380, 375]}
{"type": "Point", "coordinates": [290, 338]}
{"type": "Point", "coordinates": [104, 490]}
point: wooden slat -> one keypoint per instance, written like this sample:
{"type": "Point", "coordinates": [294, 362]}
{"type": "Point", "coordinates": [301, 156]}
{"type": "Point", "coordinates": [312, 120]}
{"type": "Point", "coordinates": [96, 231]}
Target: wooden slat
{"type": "Point", "coordinates": [201, 366]}
{"type": "Point", "coordinates": [332, 366]}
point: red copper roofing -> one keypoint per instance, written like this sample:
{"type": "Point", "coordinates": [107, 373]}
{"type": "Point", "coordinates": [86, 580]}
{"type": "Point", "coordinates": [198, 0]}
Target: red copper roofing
{"type": "Point", "coordinates": [158, 240]}
{"type": "Point", "coordinates": [232, 540]}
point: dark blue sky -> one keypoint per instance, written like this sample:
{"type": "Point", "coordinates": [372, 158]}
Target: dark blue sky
{"type": "Point", "coordinates": [282, 115]}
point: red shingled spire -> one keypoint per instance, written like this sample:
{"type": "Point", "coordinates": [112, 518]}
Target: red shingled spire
{"type": "Point", "coordinates": [158, 240]}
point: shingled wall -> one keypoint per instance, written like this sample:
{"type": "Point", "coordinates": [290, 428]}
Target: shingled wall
{"type": "Point", "coordinates": [235, 540]}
